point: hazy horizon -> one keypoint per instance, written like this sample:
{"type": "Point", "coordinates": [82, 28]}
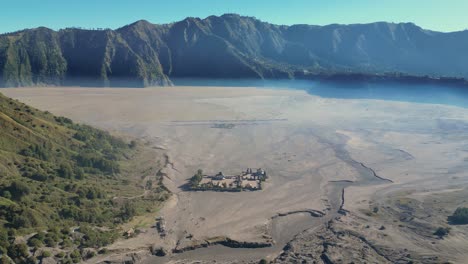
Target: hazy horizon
{"type": "Point", "coordinates": [432, 15]}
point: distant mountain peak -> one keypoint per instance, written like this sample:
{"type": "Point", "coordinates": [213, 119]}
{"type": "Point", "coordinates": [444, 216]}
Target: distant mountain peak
{"type": "Point", "coordinates": [142, 22]}
{"type": "Point", "coordinates": [226, 46]}
{"type": "Point", "coordinates": [233, 16]}
{"type": "Point", "coordinates": [139, 23]}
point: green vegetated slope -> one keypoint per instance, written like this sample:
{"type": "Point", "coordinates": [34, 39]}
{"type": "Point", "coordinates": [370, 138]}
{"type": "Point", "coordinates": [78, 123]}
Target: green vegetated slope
{"type": "Point", "coordinates": [227, 46]}
{"type": "Point", "coordinates": [57, 176]}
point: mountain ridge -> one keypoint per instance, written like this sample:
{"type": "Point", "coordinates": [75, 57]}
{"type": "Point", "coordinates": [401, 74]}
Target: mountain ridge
{"type": "Point", "coordinates": [229, 46]}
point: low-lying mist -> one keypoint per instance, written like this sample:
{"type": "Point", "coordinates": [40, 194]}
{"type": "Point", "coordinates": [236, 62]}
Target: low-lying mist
{"type": "Point", "coordinates": [392, 91]}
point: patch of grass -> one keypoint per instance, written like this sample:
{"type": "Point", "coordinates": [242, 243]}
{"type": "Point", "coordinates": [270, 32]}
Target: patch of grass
{"type": "Point", "coordinates": [6, 202]}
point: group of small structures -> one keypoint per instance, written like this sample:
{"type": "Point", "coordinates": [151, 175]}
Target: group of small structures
{"type": "Point", "coordinates": [249, 180]}
{"type": "Point", "coordinates": [161, 226]}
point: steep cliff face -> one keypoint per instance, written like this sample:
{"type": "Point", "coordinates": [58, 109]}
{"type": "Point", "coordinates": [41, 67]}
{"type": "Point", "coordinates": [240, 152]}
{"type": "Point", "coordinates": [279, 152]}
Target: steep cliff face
{"type": "Point", "coordinates": [31, 57]}
{"type": "Point", "coordinates": [228, 46]}
{"type": "Point", "coordinates": [105, 58]}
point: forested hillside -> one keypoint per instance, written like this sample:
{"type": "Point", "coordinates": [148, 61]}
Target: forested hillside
{"type": "Point", "coordinates": [229, 46]}
{"type": "Point", "coordinates": [59, 179]}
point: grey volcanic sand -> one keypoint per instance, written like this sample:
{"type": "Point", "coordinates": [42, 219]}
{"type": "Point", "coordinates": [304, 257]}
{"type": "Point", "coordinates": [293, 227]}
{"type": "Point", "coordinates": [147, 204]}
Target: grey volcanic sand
{"type": "Point", "coordinates": [303, 142]}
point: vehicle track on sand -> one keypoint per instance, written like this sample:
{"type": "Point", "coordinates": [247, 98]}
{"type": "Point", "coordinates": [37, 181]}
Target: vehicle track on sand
{"type": "Point", "coordinates": [334, 191]}
{"type": "Point", "coordinates": [336, 194]}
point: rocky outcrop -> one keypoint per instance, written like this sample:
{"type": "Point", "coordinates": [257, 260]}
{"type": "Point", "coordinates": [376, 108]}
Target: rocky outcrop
{"type": "Point", "coordinates": [183, 246]}
{"type": "Point", "coordinates": [128, 258]}
{"type": "Point", "coordinates": [314, 213]}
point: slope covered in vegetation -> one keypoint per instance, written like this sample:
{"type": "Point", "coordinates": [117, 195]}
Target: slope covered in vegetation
{"type": "Point", "coordinates": [228, 46]}
{"type": "Point", "coordinates": [57, 176]}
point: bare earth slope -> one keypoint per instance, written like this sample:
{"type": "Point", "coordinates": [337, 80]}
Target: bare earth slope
{"type": "Point", "coordinates": [381, 153]}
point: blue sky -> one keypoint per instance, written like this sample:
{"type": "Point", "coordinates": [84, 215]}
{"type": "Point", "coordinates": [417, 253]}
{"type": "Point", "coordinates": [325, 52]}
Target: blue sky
{"type": "Point", "coordinates": [440, 15]}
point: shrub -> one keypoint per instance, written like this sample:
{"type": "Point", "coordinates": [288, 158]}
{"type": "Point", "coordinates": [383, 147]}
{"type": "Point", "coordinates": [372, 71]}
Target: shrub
{"type": "Point", "coordinates": [4, 241]}
{"type": "Point", "coordinates": [6, 194]}
{"type": "Point", "coordinates": [127, 211]}
{"type": "Point", "coordinates": [90, 254]}
{"type": "Point", "coordinates": [3, 251]}
{"type": "Point", "coordinates": [75, 255]}
{"type": "Point", "coordinates": [40, 236]}
{"type": "Point", "coordinates": [21, 221]}
{"type": "Point", "coordinates": [66, 243]}
{"type": "Point", "coordinates": [93, 160]}
{"type": "Point", "coordinates": [63, 120]}
{"type": "Point", "coordinates": [95, 238]}
{"type": "Point", "coordinates": [65, 231]}
{"type": "Point", "coordinates": [18, 251]}
{"type": "Point", "coordinates": [65, 171]}
{"type": "Point", "coordinates": [36, 151]}
{"type": "Point", "coordinates": [442, 232]}
{"type": "Point", "coordinates": [11, 233]}
{"type": "Point", "coordinates": [459, 217]}
{"type": "Point", "coordinates": [34, 242]}
{"type": "Point", "coordinates": [19, 189]}
{"type": "Point", "coordinates": [40, 176]}
{"type": "Point", "coordinates": [50, 242]}
{"type": "Point", "coordinates": [4, 259]}
{"type": "Point", "coordinates": [79, 173]}
{"type": "Point", "coordinates": [196, 179]}
{"type": "Point", "coordinates": [31, 259]}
